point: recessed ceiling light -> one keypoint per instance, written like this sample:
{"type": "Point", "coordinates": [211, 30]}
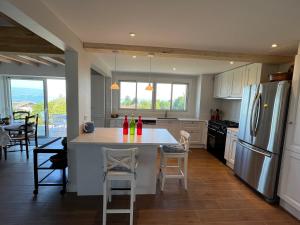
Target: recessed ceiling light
{"type": "Point", "coordinates": [174, 69]}
{"type": "Point", "coordinates": [231, 62]}
{"type": "Point", "coordinates": [134, 56]}
{"type": "Point", "coordinates": [132, 34]}
{"type": "Point", "coordinates": [274, 45]}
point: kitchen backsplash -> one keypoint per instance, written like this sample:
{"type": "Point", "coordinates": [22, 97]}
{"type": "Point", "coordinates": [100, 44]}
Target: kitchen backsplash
{"type": "Point", "coordinates": [231, 109]}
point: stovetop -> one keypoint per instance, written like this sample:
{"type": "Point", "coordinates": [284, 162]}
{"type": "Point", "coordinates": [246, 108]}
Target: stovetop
{"type": "Point", "coordinates": [226, 123]}
{"type": "Point", "coordinates": [222, 125]}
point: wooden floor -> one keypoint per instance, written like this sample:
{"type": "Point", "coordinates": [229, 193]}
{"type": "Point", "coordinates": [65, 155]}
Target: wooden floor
{"type": "Point", "coordinates": [215, 197]}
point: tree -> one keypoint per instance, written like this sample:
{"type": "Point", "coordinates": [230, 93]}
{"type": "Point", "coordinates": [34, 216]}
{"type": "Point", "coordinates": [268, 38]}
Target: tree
{"type": "Point", "coordinates": [56, 106]}
{"type": "Point", "coordinates": [179, 103]}
{"type": "Point", "coordinates": [161, 104]}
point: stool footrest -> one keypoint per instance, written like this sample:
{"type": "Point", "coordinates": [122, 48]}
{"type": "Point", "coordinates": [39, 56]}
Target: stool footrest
{"type": "Point", "coordinates": [112, 211]}
{"type": "Point", "coordinates": [120, 189]}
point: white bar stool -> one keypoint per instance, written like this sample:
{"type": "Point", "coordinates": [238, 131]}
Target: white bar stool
{"type": "Point", "coordinates": [179, 152]}
{"type": "Point", "coordinates": [119, 165]}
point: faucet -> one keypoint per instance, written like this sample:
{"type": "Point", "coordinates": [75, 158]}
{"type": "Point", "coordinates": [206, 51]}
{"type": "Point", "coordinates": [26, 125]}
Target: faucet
{"type": "Point", "coordinates": [166, 113]}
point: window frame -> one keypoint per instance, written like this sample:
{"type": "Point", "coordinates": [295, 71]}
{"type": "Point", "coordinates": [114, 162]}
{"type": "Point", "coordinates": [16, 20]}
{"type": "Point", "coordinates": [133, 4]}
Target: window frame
{"type": "Point", "coordinates": [153, 108]}
{"type": "Point", "coordinates": [135, 104]}
{"type": "Point", "coordinates": [171, 104]}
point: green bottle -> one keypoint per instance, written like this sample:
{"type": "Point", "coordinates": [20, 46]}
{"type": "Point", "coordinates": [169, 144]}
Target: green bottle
{"type": "Point", "coordinates": [132, 125]}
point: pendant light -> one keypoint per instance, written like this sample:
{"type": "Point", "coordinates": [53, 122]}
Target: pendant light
{"type": "Point", "coordinates": [115, 85]}
{"type": "Point", "coordinates": [149, 87]}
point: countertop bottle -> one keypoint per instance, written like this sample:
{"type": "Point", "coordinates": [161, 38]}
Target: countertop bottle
{"type": "Point", "coordinates": [132, 125]}
{"type": "Point", "coordinates": [139, 126]}
{"type": "Point", "coordinates": [125, 126]}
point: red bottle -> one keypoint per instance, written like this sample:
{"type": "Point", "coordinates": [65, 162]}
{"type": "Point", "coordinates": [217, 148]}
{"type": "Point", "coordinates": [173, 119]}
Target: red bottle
{"type": "Point", "coordinates": [139, 126]}
{"type": "Point", "coordinates": [125, 126]}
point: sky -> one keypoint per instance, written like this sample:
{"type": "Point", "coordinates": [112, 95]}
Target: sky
{"type": "Point", "coordinates": [56, 87]}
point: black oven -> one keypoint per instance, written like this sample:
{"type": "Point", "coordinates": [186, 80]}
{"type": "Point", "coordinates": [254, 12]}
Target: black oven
{"type": "Point", "coordinates": [216, 141]}
{"type": "Point", "coordinates": [216, 138]}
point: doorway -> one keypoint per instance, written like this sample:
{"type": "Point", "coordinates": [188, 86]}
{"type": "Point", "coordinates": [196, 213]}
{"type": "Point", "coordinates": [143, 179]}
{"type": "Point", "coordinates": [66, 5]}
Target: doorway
{"type": "Point", "coordinates": [45, 97]}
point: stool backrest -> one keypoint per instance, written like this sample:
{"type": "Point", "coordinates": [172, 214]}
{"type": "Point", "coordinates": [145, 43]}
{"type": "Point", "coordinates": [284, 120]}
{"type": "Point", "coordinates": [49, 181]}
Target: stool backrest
{"type": "Point", "coordinates": [119, 158]}
{"type": "Point", "coordinates": [185, 139]}
{"type": "Point", "coordinates": [20, 115]}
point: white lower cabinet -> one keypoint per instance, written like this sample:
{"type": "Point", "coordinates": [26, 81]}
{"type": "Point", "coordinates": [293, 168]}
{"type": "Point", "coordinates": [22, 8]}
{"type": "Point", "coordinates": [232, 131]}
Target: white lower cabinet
{"type": "Point", "coordinates": [198, 131]}
{"type": "Point", "coordinates": [230, 147]}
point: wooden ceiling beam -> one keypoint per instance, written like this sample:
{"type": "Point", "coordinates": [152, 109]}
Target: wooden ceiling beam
{"type": "Point", "coordinates": [35, 60]}
{"type": "Point", "coordinates": [186, 53]}
{"type": "Point", "coordinates": [35, 55]}
{"type": "Point", "coordinates": [5, 60]}
{"type": "Point", "coordinates": [53, 59]}
{"type": "Point", "coordinates": [16, 59]}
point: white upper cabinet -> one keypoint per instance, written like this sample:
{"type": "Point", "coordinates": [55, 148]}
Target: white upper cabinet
{"type": "Point", "coordinates": [230, 84]}
{"type": "Point", "coordinates": [238, 82]}
{"type": "Point", "coordinates": [217, 86]}
{"type": "Point", "coordinates": [253, 73]}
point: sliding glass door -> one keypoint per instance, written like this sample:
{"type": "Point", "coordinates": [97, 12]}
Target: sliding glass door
{"type": "Point", "coordinates": [56, 101]}
{"type": "Point", "coordinates": [45, 97]}
{"type": "Point", "coordinates": [28, 95]}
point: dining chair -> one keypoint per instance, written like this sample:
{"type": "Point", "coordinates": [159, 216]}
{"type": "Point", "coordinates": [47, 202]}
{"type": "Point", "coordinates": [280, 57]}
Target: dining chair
{"type": "Point", "coordinates": [27, 131]}
{"type": "Point", "coordinates": [180, 153]}
{"type": "Point", "coordinates": [4, 141]}
{"type": "Point", "coordinates": [20, 115]}
{"type": "Point", "coordinates": [118, 165]}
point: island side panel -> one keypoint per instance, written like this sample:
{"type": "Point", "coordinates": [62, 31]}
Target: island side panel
{"type": "Point", "coordinates": [89, 168]}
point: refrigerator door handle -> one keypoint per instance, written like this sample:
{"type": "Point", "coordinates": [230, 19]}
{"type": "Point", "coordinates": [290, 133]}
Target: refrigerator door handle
{"type": "Point", "coordinates": [252, 115]}
{"type": "Point", "coordinates": [258, 112]}
{"type": "Point", "coordinates": [254, 149]}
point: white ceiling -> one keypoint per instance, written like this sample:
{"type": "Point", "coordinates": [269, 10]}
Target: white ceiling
{"type": "Point", "coordinates": [166, 64]}
{"type": "Point", "coordinates": [231, 25]}
{"type": "Point", "coordinates": [244, 26]}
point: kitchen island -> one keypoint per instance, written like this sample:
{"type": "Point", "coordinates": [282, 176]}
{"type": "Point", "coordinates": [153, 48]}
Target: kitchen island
{"type": "Point", "coordinates": [88, 167]}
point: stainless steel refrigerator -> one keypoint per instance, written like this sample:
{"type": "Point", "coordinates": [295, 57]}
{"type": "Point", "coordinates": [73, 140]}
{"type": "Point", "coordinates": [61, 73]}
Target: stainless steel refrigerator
{"type": "Point", "coordinates": [261, 134]}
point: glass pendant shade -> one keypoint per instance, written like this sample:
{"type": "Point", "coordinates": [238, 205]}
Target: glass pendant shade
{"type": "Point", "coordinates": [149, 87]}
{"type": "Point", "coordinates": [114, 86]}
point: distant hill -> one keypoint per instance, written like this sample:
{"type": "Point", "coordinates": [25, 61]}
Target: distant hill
{"type": "Point", "coordinates": [27, 95]}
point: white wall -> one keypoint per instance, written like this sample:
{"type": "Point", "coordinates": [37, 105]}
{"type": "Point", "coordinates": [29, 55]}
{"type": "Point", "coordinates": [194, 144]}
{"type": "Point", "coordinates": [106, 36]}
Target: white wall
{"type": "Point", "coordinates": [98, 99]}
{"type": "Point", "coordinates": [2, 98]}
{"type": "Point", "coordinates": [230, 109]}
{"type": "Point", "coordinates": [205, 100]}
{"type": "Point", "coordinates": [192, 89]}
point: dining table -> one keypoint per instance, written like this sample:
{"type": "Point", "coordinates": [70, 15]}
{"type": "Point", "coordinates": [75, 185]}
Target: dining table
{"type": "Point", "coordinates": [85, 158]}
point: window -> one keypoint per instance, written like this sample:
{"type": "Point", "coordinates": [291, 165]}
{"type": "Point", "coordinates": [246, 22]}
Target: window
{"type": "Point", "coordinates": [168, 96]}
{"type": "Point", "coordinates": [179, 97]}
{"type": "Point", "coordinates": [133, 95]}
{"type": "Point", "coordinates": [171, 93]}
{"type": "Point", "coordinates": [127, 95]}
{"type": "Point", "coordinates": [29, 95]}
{"type": "Point", "coordinates": [144, 97]}
{"type": "Point", "coordinates": [163, 96]}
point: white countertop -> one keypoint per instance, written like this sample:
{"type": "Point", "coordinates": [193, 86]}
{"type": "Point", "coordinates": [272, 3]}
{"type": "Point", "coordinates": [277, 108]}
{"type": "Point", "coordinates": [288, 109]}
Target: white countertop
{"type": "Point", "coordinates": [236, 130]}
{"type": "Point", "coordinates": [161, 119]}
{"type": "Point", "coordinates": [114, 136]}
